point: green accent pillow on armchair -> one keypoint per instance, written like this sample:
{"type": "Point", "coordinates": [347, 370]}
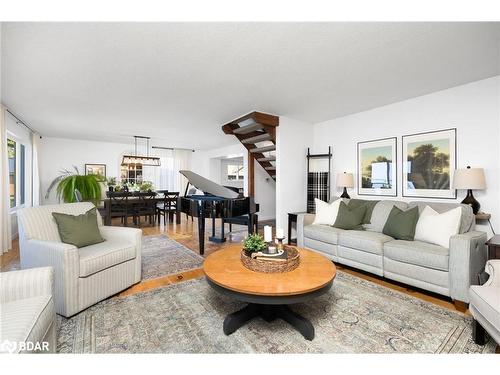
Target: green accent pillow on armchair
{"type": "Point", "coordinates": [350, 218]}
{"type": "Point", "coordinates": [401, 224]}
{"type": "Point", "coordinates": [80, 230]}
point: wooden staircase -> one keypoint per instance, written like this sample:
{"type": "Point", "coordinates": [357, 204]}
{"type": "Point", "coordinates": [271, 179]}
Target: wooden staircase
{"type": "Point", "coordinates": [257, 132]}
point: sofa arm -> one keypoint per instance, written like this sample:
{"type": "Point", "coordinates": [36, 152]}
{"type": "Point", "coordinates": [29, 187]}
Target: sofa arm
{"type": "Point", "coordinates": [493, 269]}
{"type": "Point", "coordinates": [302, 221]}
{"type": "Point", "coordinates": [29, 283]}
{"type": "Point", "coordinates": [132, 235]}
{"type": "Point", "coordinates": [468, 256]}
{"type": "Point", "coordinates": [65, 260]}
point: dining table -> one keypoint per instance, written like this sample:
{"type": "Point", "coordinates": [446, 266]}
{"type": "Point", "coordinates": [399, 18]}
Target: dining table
{"type": "Point", "coordinates": [132, 198]}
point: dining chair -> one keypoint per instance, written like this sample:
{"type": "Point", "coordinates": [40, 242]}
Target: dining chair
{"type": "Point", "coordinates": [168, 207]}
{"type": "Point", "coordinates": [119, 206]}
{"type": "Point", "coordinates": [145, 206]}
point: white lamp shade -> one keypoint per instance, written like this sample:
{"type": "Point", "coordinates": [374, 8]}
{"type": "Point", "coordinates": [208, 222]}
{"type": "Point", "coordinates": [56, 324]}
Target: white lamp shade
{"type": "Point", "coordinates": [469, 178]}
{"type": "Point", "coordinates": [345, 180]}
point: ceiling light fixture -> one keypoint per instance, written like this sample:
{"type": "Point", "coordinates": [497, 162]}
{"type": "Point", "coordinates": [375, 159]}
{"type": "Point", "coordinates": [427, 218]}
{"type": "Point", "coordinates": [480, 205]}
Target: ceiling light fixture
{"type": "Point", "coordinates": [141, 159]}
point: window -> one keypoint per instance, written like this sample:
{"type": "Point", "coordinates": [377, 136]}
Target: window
{"type": "Point", "coordinates": [22, 174]}
{"type": "Point", "coordinates": [235, 172]}
{"type": "Point", "coordinates": [17, 172]}
{"type": "Point", "coordinates": [11, 150]}
{"type": "Point", "coordinates": [131, 174]}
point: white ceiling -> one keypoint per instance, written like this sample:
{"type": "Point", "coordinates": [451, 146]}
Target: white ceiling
{"type": "Point", "coordinates": [178, 82]}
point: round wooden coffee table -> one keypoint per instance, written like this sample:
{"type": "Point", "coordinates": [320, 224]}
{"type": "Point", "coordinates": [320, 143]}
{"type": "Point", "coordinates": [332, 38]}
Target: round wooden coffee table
{"type": "Point", "coordinates": [269, 294]}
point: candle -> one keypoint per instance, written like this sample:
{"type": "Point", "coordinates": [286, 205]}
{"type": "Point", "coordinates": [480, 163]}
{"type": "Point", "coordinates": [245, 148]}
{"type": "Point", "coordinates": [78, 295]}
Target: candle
{"type": "Point", "coordinates": [268, 233]}
{"type": "Point", "coordinates": [280, 233]}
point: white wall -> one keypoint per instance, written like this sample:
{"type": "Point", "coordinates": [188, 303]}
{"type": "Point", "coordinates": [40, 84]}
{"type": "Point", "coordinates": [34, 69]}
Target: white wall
{"type": "Point", "coordinates": [223, 163]}
{"type": "Point", "coordinates": [293, 138]}
{"type": "Point", "coordinates": [265, 193]}
{"type": "Point", "coordinates": [207, 164]}
{"type": "Point", "coordinates": [57, 154]}
{"type": "Point", "coordinates": [474, 109]}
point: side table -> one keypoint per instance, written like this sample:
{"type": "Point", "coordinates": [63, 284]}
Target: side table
{"type": "Point", "coordinates": [494, 247]}
{"type": "Point", "coordinates": [292, 218]}
{"type": "Point", "coordinates": [483, 216]}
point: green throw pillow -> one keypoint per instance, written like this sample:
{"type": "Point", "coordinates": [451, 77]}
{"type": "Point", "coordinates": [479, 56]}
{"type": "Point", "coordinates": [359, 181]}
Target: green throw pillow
{"type": "Point", "coordinates": [350, 218]}
{"type": "Point", "coordinates": [401, 224]}
{"type": "Point", "coordinates": [80, 230]}
{"type": "Point", "coordinates": [370, 205]}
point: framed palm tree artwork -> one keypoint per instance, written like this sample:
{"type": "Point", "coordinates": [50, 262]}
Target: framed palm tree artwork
{"type": "Point", "coordinates": [377, 167]}
{"type": "Point", "coordinates": [429, 160]}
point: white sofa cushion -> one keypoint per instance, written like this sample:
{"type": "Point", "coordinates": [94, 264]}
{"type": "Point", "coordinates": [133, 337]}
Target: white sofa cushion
{"type": "Point", "coordinates": [438, 228]}
{"type": "Point", "coordinates": [486, 300]}
{"type": "Point", "coordinates": [26, 320]}
{"type": "Point", "coordinates": [326, 213]}
{"type": "Point", "coordinates": [323, 233]}
{"type": "Point", "coordinates": [371, 242]}
{"type": "Point", "coordinates": [418, 253]}
{"type": "Point", "coordinates": [95, 258]}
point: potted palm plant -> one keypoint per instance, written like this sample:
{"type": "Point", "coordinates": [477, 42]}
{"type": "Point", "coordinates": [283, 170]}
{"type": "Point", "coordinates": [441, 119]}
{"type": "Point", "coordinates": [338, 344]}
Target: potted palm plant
{"type": "Point", "coordinates": [67, 182]}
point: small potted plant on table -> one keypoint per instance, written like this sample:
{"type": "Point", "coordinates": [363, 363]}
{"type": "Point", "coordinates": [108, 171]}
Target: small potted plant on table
{"type": "Point", "coordinates": [253, 244]}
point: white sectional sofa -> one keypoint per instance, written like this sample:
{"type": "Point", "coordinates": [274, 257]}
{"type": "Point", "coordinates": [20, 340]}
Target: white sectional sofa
{"type": "Point", "coordinates": [446, 271]}
{"type": "Point", "coordinates": [485, 304]}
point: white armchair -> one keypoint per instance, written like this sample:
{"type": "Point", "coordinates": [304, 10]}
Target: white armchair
{"type": "Point", "coordinates": [485, 304]}
{"type": "Point", "coordinates": [83, 276]}
{"type": "Point", "coordinates": [28, 317]}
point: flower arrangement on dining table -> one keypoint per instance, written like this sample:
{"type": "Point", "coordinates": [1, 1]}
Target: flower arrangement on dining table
{"type": "Point", "coordinates": [143, 187]}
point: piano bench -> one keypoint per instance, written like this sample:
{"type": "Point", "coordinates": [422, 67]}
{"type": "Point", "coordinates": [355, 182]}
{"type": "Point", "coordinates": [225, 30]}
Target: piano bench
{"type": "Point", "coordinates": [242, 220]}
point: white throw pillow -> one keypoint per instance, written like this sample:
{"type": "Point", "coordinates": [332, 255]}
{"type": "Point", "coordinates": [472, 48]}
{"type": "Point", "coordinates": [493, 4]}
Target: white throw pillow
{"type": "Point", "coordinates": [438, 228]}
{"type": "Point", "coordinates": [326, 213]}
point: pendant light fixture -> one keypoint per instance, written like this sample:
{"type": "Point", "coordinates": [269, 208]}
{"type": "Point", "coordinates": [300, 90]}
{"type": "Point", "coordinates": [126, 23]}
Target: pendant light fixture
{"type": "Point", "coordinates": [141, 159]}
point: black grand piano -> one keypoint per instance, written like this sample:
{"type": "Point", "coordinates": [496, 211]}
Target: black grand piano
{"type": "Point", "coordinates": [217, 202]}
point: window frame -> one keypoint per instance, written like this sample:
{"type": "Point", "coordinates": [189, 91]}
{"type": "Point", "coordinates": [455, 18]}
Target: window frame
{"type": "Point", "coordinates": [240, 175]}
{"type": "Point", "coordinates": [21, 171]}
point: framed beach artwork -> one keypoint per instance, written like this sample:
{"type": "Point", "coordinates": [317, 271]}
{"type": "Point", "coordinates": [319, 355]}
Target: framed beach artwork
{"type": "Point", "coordinates": [99, 169]}
{"type": "Point", "coordinates": [429, 160]}
{"type": "Point", "coordinates": [377, 167]}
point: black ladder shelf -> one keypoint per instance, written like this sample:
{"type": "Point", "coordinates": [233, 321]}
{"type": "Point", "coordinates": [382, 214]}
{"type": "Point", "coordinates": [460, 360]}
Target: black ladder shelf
{"type": "Point", "coordinates": [317, 189]}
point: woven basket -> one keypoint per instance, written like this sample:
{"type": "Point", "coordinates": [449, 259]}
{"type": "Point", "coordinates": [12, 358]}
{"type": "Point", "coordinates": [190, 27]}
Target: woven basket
{"type": "Point", "coordinates": [270, 266]}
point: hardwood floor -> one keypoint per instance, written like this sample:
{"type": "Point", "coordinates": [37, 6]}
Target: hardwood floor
{"type": "Point", "coordinates": [187, 234]}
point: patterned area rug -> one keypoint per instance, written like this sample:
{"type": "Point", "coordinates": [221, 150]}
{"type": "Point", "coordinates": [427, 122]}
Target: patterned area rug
{"type": "Point", "coordinates": [356, 316]}
{"type": "Point", "coordinates": [163, 256]}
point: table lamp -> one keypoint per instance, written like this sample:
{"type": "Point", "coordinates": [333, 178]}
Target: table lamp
{"type": "Point", "coordinates": [470, 178]}
{"type": "Point", "coordinates": [345, 180]}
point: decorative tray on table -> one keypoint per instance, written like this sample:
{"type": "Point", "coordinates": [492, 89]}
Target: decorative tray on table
{"type": "Point", "coordinates": [283, 261]}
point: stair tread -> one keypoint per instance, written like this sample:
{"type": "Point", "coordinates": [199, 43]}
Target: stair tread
{"type": "Point", "coordinates": [257, 138]}
{"type": "Point", "coordinates": [248, 128]}
{"type": "Point", "coordinates": [268, 158]}
{"type": "Point", "coordinates": [263, 149]}
{"type": "Point", "coordinates": [270, 168]}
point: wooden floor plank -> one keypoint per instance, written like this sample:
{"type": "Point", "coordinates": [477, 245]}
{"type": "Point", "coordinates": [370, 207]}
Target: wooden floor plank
{"type": "Point", "coordinates": [186, 233]}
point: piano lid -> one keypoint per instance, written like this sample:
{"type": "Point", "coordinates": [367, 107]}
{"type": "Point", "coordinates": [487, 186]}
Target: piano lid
{"type": "Point", "coordinates": [208, 186]}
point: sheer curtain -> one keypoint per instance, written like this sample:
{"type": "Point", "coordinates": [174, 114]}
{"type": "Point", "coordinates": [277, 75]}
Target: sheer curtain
{"type": "Point", "coordinates": [35, 192]}
{"type": "Point", "coordinates": [182, 160]}
{"type": "Point", "coordinates": [167, 176]}
{"type": "Point", "coordinates": [5, 234]}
